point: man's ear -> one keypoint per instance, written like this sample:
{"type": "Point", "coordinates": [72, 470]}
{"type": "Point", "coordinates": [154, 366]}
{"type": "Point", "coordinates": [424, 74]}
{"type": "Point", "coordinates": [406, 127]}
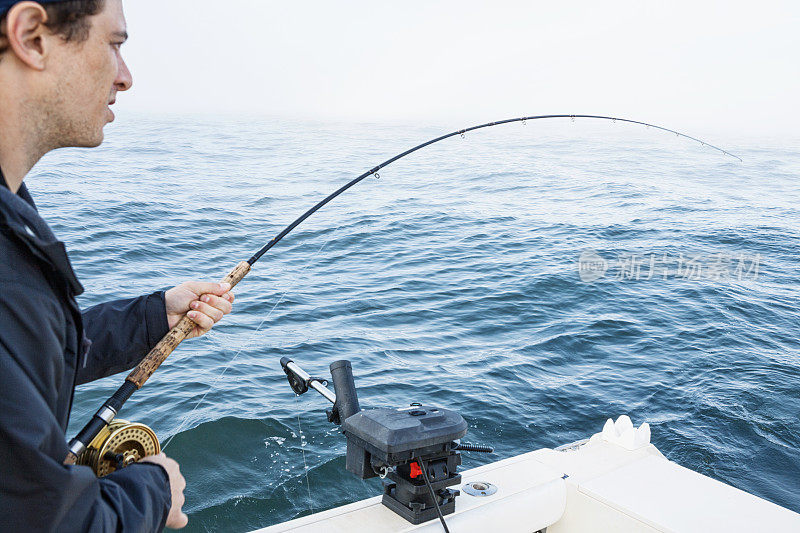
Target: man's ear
{"type": "Point", "coordinates": [27, 34]}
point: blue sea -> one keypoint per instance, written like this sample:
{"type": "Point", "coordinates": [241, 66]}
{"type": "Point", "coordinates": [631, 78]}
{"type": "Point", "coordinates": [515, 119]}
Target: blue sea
{"type": "Point", "coordinates": [537, 278]}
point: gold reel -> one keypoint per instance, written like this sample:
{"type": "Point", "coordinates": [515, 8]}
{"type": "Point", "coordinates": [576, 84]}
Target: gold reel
{"type": "Point", "coordinates": [119, 443]}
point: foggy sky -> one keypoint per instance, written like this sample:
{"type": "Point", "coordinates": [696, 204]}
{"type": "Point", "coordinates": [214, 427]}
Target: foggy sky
{"type": "Point", "coordinates": [711, 66]}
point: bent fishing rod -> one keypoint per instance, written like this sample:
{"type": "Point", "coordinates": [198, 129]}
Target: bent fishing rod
{"type": "Point", "coordinates": [101, 443]}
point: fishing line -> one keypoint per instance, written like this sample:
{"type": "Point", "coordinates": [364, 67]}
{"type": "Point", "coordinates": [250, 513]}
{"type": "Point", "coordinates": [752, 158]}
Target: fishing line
{"type": "Point", "coordinates": [251, 338]}
{"type": "Point", "coordinates": [303, 449]}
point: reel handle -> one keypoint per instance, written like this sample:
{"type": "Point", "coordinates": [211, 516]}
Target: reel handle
{"type": "Point", "coordinates": [176, 335]}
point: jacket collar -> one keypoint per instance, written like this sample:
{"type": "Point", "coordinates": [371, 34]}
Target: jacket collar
{"type": "Point", "coordinates": [20, 220]}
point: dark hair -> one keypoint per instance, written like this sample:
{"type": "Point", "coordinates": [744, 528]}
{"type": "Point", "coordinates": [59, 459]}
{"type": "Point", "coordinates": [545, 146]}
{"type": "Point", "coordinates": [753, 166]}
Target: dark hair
{"type": "Point", "coordinates": [67, 19]}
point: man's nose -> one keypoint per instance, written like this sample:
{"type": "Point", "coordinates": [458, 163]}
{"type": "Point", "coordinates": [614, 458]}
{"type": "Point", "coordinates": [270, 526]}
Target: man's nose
{"type": "Point", "coordinates": [124, 79]}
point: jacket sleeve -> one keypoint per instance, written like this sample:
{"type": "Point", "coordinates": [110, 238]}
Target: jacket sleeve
{"type": "Point", "coordinates": [120, 334]}
{"type": "Point", "coordinates": [38, 492]}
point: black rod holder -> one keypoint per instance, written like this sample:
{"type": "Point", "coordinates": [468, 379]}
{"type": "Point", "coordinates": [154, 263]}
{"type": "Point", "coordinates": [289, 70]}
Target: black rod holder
{"type": "Point", "coordinates": [346, 404]}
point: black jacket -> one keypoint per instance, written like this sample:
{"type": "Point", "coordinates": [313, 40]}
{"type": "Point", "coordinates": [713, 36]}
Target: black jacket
{"type": "Point", "coordinates": [44, 353]}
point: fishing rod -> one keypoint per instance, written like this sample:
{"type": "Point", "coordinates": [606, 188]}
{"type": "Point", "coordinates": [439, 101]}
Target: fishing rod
{"type": "Point", "coordinates": [106, 443]}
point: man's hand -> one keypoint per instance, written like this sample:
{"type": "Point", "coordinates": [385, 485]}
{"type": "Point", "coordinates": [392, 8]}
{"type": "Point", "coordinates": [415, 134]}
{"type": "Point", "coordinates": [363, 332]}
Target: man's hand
{"type": "Point", "coordinates": [176, 518]}
{"type": "Point", "coordinates": [205, 304]}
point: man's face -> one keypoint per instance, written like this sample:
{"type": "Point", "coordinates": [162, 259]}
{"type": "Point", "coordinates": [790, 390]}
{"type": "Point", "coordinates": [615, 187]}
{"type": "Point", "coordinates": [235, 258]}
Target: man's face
{"type": "Point", "coordinates": [86, 78]}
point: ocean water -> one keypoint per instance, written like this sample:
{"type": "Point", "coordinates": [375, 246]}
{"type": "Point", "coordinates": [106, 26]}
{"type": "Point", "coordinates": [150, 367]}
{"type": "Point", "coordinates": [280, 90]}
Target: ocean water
{"type": "Point", "coordinates": [538, 279]}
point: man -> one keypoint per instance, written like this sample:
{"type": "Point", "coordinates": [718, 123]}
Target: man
{"type": "Point", "coordinates": [60, 70]}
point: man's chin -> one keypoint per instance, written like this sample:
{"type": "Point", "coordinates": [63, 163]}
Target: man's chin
{"type": "Point", "coordinates": [84, 142]}
{"type": "Point", "coordinates": [94, 140]}
{"type": "Point", "coordinates": [88, 144]}
{"type": "Point", "coordinates": [97, 141]}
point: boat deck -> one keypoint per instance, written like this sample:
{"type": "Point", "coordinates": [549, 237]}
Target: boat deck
{"type": "Point", "coordinates": [599, 485]}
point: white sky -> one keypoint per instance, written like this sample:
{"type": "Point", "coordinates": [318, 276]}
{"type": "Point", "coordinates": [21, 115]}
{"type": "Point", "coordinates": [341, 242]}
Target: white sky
{"type": "Point", "coordinates": [710, 67]}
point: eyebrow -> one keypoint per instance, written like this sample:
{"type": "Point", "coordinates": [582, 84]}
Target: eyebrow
{"type": "Point", "coordinates": [121, 35]}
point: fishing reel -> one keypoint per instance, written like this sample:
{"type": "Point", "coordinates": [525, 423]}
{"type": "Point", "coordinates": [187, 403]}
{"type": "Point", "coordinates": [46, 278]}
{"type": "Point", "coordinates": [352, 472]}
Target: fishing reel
{"type": "Point", "coordinates": [119, 444]}
{"type": "Point", "coordinates": [414, 449]}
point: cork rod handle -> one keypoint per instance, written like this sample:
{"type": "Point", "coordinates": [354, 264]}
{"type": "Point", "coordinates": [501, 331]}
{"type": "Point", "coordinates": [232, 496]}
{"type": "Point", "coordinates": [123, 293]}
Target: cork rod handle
{"type": "Point", "coordinates": [175, 336]}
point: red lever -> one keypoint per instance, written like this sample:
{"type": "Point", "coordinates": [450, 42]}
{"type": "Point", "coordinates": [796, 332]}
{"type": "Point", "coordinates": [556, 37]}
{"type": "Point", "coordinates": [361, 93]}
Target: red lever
{"type": "Point", "coordinates": [416, 471]}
